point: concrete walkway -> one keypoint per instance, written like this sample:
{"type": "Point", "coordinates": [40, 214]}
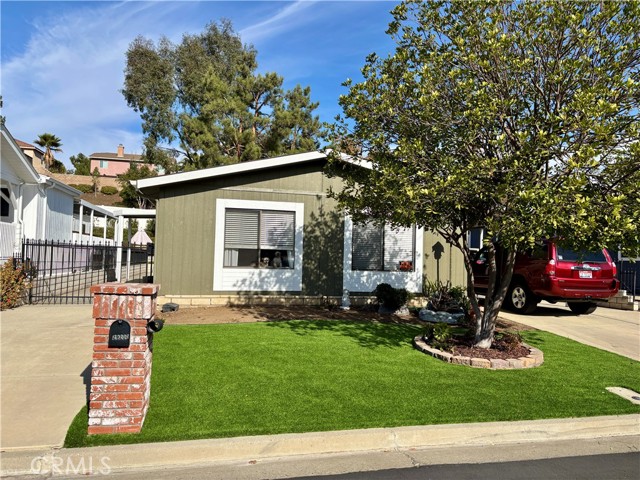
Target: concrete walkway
{"type": "Point", "coordinates": [616, 331]}
{"type": "Point", "coordinates": [45, 358]}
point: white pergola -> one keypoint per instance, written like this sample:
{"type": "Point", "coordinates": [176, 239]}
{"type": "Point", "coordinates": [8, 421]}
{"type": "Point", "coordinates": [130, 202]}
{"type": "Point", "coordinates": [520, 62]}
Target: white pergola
{"type": "Point", "coordinates": [123, 215]}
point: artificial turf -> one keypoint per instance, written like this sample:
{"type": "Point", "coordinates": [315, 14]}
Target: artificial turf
{"type": "Point", "coordinates": [211, 381]}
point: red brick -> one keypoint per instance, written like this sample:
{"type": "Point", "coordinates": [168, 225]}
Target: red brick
{"type": "Point", "coordinates": [116, 404]}
{"type": "Point", "coordinates": [128, 428]}
{"type": "Point", "coordinates": [132, 380]}
{"type": "Point", "coordinates": [107, 363]}
{"type": "Point", "coordinates": [117, 372]}
{"type": "Point", "coordinates": [100, 429]}
{"type": "Point", "coordinates": [103, 323]}
{"type": "Point", "coordinates": [104, 397]}
{"type": "Point", "coordinates": [100, 338]}
{"type": "Point", "coordinates": [130, 396]}
{"type": "Point", "coordinates": [101, 331]}
{"type": "Point", "coordinates": [117, 387]}
{"type": "Point", "coordinates": [95, 405]}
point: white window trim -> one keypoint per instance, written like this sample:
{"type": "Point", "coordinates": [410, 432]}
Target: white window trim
{"type": "Point", "coordinates": [367, 281]}
{"type": "Point", "coordinates": [257, 279]}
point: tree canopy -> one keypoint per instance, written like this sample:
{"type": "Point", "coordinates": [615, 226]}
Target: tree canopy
{"type": "Point", "coordinates": [81, 164]}
{"type": "Point", "coordinates": [130, 196]}
{"type": "Point", "coordinates": [51, 144]}
{"type": "Point", "coordinates": [205, 96]}
{"type": "Point", "coordinates": [520, 117]}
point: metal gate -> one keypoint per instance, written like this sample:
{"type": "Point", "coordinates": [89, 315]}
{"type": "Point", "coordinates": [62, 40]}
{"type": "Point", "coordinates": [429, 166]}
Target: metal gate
{"type": "Point", "coordinates": [62, 272]}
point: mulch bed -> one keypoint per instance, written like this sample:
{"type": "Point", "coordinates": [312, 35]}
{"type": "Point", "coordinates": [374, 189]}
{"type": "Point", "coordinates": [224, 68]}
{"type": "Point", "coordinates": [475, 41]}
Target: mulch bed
{"type": "Point", "coordinates": [500, 350]}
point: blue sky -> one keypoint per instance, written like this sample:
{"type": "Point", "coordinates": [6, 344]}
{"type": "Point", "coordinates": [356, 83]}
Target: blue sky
{"type": "Point", "coordinates": [62, 62]}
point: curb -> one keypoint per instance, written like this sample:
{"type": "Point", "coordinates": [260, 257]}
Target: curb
{"type": "Point", "coordinates": [251, 449]}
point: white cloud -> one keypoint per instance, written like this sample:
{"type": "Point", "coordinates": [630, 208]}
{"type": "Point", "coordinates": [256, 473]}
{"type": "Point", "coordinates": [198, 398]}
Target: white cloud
{"type": "Point", "coordinates": [288, 17]}
{"type": "Point", "coordinates": [68, 78]}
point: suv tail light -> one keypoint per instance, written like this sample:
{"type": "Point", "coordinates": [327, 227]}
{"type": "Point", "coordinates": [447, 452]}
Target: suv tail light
{"type": "Point", "coordinates": [550, 269]}
{"type": "Point", "coordinates": [614, 267]}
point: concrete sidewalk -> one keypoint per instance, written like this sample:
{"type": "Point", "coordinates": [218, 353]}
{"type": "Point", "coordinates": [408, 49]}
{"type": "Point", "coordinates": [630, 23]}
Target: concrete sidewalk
{"type": "Point", "coordinates": [617, 433]}
{"type": "Point", "coordinates": [45, 360]}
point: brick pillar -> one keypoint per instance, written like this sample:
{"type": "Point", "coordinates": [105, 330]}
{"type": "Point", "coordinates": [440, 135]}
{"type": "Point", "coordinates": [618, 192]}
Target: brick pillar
{"type": "Point", "coordinates": [120, 377]}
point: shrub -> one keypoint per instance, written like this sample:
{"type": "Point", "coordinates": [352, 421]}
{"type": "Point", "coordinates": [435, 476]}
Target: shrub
{"type": "Point", "coordinates": [107, 190]}
{"type": "Point", "coordinates": [82, 187]}
{"type": "Point", "coordinates": [438, 335]}
{"type": "Point", "coordinates": [443, 297]}
{"type": "Point", "coordinates": [389, 297]}
{"type": "Point", "coordinates": [13, 284]}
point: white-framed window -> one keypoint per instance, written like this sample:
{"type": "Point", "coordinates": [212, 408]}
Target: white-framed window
{"type": "Point", "coordinates": [382, 248]}
{"type": "Point", "coordinates": [104, 163]}
{"type": "Point", "coordinates": [259, 238]}
{"type": "Point", "coordinates": [6, 205]}
{"type": "Point", "coordinates": [375, 254]}
{"type": "Point", "coordinates": [475, 238]}
{"type": "Point", "coordinates": [258, 246]}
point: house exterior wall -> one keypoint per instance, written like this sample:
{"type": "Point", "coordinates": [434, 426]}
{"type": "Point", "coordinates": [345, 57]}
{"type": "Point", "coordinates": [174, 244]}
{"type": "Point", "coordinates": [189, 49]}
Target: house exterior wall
{"type": "Point", "coordinates": [59, 216]}
{"type": "Point", "coordinates": [114, 167]}
{"type": "Point", "coordinates": [186, 232]}
{"type": "Point", "coordinates": [185, 228]}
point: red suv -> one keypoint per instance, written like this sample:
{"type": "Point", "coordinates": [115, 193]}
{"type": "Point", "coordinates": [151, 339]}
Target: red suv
{"type": "Point", "coordinates": [554, 273]}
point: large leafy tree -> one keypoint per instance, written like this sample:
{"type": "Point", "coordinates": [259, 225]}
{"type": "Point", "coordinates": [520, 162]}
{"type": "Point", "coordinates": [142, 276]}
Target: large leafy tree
{"type": "Point", "coordinates": [204, 97]}
{"type": "Point", "coordinates": [521, 117]}
{"type": "Point", "coordinates": [51, 144]}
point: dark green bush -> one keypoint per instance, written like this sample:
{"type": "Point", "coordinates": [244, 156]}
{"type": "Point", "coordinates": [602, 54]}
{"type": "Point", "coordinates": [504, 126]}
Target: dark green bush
{"type": "Point", "coordinates": [391, 298]}
{"type": "Point", "coordinates": [107, 190]}
{"type": "Point", "coordinates": [438, 335]}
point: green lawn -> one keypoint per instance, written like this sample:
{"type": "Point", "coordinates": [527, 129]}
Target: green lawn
{"type": "Point", "coordinates": [213, 381]}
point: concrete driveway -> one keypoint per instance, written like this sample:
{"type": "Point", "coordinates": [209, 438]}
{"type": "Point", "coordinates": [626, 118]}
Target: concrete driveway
{"type": "Point", "coordinates": [613, 330]}
{"type": "Point", "coordinates": [45, 356]}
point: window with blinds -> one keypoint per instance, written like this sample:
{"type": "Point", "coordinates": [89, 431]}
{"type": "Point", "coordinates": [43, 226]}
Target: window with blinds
{"type": "Point", "coordinates": [259, 238]}
{"type": "Point", "coordinates": [382, 248]}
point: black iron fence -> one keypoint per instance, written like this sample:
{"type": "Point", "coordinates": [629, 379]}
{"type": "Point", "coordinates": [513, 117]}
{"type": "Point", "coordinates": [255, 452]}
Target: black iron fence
{"type": "Point", "coordinates": [62, 272]}
{"type": "Point", "coordinates": [629, 276]}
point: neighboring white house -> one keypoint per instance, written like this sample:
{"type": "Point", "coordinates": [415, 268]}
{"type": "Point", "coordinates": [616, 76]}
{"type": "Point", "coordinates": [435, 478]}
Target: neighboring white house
{"type": "Point", "coordinates": [33, 206]}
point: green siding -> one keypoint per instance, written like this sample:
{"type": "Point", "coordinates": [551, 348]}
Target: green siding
{"type": "Point", "coordinates": [442, 261]}
{"type": "Point", "coordinates": [186, 231]}
{"type": "Point", "coordinates": [186, 228]}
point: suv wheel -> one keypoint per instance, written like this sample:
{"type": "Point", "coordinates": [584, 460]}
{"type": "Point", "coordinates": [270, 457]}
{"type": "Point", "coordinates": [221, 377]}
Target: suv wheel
{"type": "Point", "coordinates": [582, 308]}
{"type": "Point", "coordinates": [520, 299]}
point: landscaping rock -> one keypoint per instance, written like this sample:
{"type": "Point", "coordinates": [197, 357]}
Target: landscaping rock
{"type": "Point", "coordinates": [427, 315]}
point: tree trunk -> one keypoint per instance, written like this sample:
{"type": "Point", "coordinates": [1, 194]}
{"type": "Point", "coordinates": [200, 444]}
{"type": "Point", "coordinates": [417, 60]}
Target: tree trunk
{"type": "Point", "coordinates": [500, 274]}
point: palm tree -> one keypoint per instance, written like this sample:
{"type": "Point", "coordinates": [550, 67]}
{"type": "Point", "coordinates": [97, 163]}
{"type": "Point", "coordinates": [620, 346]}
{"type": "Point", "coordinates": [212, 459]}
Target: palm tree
{"type": "Point", "coordinates": [50, 143]}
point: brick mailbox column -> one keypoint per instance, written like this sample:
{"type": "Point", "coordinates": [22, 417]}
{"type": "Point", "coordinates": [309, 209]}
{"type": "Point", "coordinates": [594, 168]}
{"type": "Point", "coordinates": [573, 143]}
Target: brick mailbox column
{"type": "Point", "coordinates": [121, 367]}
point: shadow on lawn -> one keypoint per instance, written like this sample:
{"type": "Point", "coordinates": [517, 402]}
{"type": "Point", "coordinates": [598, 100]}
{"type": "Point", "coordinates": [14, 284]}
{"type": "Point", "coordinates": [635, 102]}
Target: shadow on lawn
{"type": "Point", "coordinates": [367, 334]}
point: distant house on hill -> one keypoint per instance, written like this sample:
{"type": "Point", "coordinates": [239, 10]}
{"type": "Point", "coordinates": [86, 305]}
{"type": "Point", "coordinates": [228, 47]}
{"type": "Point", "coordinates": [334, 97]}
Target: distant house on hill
{"type": "Point", "coordinates": [111, 164]}
{"type": "Point", "coordinates": [35, 156]}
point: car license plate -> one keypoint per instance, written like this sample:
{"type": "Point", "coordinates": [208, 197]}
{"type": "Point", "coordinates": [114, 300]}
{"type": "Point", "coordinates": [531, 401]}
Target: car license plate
{"type": "Point", "coordinates": [585, 274]}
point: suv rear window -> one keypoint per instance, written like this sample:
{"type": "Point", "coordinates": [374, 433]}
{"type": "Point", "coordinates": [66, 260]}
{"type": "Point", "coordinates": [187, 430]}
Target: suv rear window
{"type": "Point", "coordinates": [567, 255]}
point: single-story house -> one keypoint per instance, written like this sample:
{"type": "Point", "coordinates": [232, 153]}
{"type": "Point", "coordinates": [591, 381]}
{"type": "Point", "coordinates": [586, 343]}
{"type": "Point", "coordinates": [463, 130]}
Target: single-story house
{"type": "Point", "coordinates": [266, 231]}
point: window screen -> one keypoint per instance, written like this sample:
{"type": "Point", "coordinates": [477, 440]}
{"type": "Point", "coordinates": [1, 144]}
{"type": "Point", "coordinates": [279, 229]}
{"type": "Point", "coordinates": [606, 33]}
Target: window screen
{"type": "Point", "coordinates": [382, 248]}
{"type": "Point", "coordinates": [259, 238]}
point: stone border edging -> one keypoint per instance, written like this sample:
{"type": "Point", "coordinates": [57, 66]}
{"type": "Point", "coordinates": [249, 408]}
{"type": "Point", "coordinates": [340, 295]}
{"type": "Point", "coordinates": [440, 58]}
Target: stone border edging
{"type": "Point", "coordinates": [534, 359]}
